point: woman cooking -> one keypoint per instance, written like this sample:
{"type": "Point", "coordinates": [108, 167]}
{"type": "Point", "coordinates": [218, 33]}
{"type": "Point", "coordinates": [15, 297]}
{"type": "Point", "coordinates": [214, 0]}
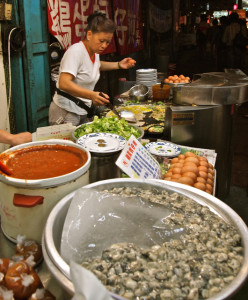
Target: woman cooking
{"type": "Point", "coordinates": [79, 72]}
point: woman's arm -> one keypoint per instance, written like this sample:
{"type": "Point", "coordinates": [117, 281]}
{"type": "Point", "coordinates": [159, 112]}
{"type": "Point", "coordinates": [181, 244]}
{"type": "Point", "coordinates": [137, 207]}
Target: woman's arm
{"type": "Point", "coordinates": [126, 63]}
{"type": "Point", "coordinates": [67, 84]}
{"type": "Point", "coordinates": [15, 139]}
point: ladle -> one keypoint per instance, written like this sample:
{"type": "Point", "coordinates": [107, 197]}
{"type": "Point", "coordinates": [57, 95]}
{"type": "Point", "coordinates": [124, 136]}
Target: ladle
{"type": "Point", "coordinates": [4, 169]}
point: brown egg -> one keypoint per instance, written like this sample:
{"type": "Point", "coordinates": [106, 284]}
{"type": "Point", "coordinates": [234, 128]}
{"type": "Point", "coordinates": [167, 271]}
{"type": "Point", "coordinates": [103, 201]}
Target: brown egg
{"type": "Point", "coordinates": [208, 191]}
{"type": "Point", "coordinates": [174, 160]}
{"type": "Point", "coordinates": [176, 165]}
{"type": "Point", "coordinates": [174, 180]}
{"type": "Point", "coordinates": [194, 160]}
{"type": "Point", "coordinates": [176, 171]}
{"type": "Point", "coordinates": [203, 158]}
{"type": "Point", "coordinates": [209, 187]}
{"type": "Point", "coordinates": [190, 174]}
{"type": "Point", "coordinates": [210, 181]}
{"type": "Point", "coordinates": [175, 176]}
{"type": "Point", "coordinates": [190, 154]}
{"type": "Point", "coordinates": [181, 161]}
{"type": "Point", "coordinates": [190, 168]}
{"type": "Point", "coordinates": [168, 174]}
{"type": "Point", "coordinates": [181, 156]}
{"type": "Point", "coordinates": [167, 178]}
{"type": "Point", "coordinates": [203, 174]}
{"type": "Point", "coordinates": [210, 166]}
{"type": "Point", "coordinates": [186, 180]}
{"type": "Point", "coordinates": [201, 179]}
{"type": "Point", "coordinates": [203, 168]}
{"type": "Point", "coordinates": [211, 171]}
{"type": "Point", "coordinates": [200, 186]}
{"type": "Point", "coordinates": [210, 176]}
{"type": "Point", "coordinates": [203, 163]}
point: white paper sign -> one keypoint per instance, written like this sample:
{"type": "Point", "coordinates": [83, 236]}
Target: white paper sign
{"type": "Point", "coordinates": [137, 162]}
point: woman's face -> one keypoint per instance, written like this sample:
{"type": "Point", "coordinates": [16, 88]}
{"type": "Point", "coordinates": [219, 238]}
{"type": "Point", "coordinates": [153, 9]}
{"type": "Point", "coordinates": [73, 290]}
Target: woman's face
{"type": "Point", "coordinates": [98, 42]}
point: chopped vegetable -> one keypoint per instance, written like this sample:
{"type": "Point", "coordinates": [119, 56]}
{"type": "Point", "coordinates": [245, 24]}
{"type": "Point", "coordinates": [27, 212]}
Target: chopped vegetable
{"type": "Point", "coordinates": [111, 125]}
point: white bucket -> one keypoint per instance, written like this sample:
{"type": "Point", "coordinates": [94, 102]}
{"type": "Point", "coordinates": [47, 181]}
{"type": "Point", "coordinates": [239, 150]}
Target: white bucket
{"type": "Point", "coordinates": [38, 197]}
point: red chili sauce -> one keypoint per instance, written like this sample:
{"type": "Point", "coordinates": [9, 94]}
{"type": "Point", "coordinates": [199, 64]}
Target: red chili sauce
{"type": "Point", "coordinates": [45, 161]}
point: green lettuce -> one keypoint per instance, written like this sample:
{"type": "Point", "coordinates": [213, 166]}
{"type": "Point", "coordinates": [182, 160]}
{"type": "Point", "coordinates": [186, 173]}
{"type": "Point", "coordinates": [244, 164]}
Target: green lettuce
{"type": "Point", "coordinates": [111, 125]}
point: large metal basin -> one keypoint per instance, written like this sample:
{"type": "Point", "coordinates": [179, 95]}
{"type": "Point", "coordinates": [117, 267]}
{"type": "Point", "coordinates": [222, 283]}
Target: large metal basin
{"type": "Point", "coordinates": [54, 226]}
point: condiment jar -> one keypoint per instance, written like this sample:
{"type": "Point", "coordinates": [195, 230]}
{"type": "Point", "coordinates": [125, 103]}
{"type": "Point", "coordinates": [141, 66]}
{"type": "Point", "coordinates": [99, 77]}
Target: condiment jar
{"type": "Point", "coordinates": [160, 92]}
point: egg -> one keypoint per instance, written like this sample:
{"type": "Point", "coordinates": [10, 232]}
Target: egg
{"type": "Point", "coordinates": [176, 176]}
{"type": "Point", "coordinates": [209, 187]}
{"type": "Point", "coordinates": [210, 181]}
{"type": "Point", "coordinates": [190, 174]}
{"type": "Point", "coordinates": [203, 163]}
{"type": "Point", "coordinates": [210, 176]}
{"type": "Point", "coordinates": [181, 156]}
{"type": "Point", "coordinates": [203, 158]}
{"type": "Point", "coordinates": [190, 168]}
{"type": "Point", "coordinates": [194, 160]}
{"type": "Point", "coordinates": [200, 186]}
{"type": "Point", "coordinates": [177, 165]}
{"type": "Point", "coordinates": [201, 179]}
{"type": "Point", "coordinates": [168, 174]}
{"type": "Point", "coordinates": [190, 154]}
{"type": "Point", "coordinates": [174, 160]}
{"type": "Point", "coordinates": [167, 178]}
{"type": "Point", "coordinates": [181, 161]}
{"type": "Point", "coordinates": [186, 180]}
{"type": "Point", "coordinates": [176, 170]}
{"type": "Point", "coordinates": [208, 191]}
{"type": "Point", "coordinates": [203, 174]}
{"type": "Point", "coordinates": [211, 171]}
{"type": "Point", "coordinates": [203, 168]}
{"type": "Point", "coordinates": [210, 166]}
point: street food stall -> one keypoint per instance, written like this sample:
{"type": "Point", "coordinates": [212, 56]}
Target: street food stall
{"type": "Point", "coordinates": [192, 127]}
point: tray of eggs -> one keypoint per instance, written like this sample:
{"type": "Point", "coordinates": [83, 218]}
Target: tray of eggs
{"type": "Point", "coordinates": [175, 80]}
{"type": "Point", "coordinates": [192, 170]}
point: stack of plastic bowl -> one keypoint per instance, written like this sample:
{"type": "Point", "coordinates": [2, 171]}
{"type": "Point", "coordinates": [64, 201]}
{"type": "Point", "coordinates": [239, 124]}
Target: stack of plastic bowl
{"type": "Point", "coordinates": [147, 77]}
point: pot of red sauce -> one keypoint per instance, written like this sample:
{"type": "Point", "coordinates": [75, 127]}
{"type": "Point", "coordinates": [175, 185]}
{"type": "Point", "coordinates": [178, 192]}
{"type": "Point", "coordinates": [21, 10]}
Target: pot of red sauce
{"type": "Point", "coordinates": [41, 173]}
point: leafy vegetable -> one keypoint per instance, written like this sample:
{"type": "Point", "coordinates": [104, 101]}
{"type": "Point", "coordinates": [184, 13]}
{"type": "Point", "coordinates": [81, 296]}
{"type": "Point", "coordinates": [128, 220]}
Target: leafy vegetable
{"type": "Point", "coordinates": [111, 125]}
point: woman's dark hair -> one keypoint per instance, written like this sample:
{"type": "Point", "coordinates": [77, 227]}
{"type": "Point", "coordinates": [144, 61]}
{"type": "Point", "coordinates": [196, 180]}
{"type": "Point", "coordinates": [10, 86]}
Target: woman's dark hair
{"type": "Point", "coordinates": [98, 22]}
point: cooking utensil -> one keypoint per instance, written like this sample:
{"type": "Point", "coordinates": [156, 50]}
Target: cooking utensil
{"type": "Point", "coordinates": [128, 116]}
{"type": "Point", "coordinates": [139, 92]}
{"type": "Point", "coordinates": [4, 169]}
{"type": "Point", "coordinates": [111, 106]}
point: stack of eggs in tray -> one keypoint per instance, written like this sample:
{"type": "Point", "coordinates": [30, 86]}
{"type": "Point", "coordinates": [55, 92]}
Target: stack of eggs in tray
{"type": "Point", "coordinates": [192, 170]}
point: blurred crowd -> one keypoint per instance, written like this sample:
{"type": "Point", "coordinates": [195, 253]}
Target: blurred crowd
{"type": "Point", "coordinates": [225, 40]}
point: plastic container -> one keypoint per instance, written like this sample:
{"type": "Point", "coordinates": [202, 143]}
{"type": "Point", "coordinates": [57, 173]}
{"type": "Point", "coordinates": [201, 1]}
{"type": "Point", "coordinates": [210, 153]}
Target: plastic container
{"type": "Point", "coordinates": [160, 93]}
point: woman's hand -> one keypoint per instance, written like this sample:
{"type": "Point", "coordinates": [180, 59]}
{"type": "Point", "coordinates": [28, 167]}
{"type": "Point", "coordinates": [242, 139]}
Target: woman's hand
{"type": "Point", "coordinates": [127, 63]}
{"type": "Point", "coordinates": [100, 99]}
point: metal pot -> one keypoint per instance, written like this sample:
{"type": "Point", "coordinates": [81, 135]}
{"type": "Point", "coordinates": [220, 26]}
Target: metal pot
{"type": "Point", "coordinates": [54, 226]}
{"type": "Point", "coordinates": [38, 196]}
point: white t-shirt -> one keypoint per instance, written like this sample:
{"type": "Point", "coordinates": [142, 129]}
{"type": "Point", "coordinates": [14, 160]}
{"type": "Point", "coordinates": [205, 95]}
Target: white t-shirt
{"type": "Point", "coordinates": [77, 62]}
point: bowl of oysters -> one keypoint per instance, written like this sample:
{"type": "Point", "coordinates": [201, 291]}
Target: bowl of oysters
{"type": "Point", "coordinates": [148, 240]}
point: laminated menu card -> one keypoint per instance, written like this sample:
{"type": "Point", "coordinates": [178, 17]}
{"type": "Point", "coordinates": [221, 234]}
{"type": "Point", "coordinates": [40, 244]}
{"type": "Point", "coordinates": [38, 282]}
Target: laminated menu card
{"type": "Point", "coordinates": [137, 162]}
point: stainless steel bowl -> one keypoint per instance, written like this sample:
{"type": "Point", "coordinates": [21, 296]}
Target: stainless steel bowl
{"type": "Point", "coordinates": [139, 92]}
{"type": "Point", "coordinates": [54, 226]}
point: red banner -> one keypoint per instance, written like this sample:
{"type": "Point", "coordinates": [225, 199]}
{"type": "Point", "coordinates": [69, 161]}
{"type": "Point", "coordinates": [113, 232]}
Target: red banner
{"type": "Point", "coordinates": [67, 19]}
{"type": "Point", "coordinates": [127, 16]}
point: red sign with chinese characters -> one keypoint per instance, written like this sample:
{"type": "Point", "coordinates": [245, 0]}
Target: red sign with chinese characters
{"type": "Point", "coordinates": [127, 16]}
{"type": "Point", "coordinates": [67, 19]}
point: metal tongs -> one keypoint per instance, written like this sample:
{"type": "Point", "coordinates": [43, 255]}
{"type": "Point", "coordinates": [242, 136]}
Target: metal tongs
{"type": "Point", "coordinates": [127, 115]}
